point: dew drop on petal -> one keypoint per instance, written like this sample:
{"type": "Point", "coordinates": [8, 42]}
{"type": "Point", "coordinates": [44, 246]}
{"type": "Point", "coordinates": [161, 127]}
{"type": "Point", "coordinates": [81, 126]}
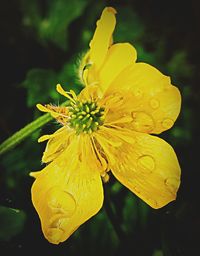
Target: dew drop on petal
{"type": "Point", "coordinates": [142, 122]}
{"type": "Point", "coordinates": [153, 202]}
{"type": "Point", "coordinates": [154, 103]}
{"type": "Point", "coordinates": [61, 202]}
{"type": "Point", "coordinates": [134, 187]}
{"type": "Point", "coordinates": [138, 93]}
{"type": "Point", "coordinates": [137, 190]}
{"type": "Point", "coordinates": [167, 123]}
{"type": "Point", "coordinates": [146, 164]}
{"type": "Point", "coordinates": [172, 183]}
{"type": "Point", "coordinates": [54, 235]}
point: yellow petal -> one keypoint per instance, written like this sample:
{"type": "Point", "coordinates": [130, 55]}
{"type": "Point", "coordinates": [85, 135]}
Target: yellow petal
{"type": "Point", "coordinates": [155, 103]}
{"type": "Point", "coordinates": [102, 36]}
{"type": "Point", "coordinates": [57, 143]}
{"type": "Point", "coordinates": [67, 192]}
{"type": "Point", "coordinates": [147, 166]}
{"type": "Point", "coordinates": [117, 59]}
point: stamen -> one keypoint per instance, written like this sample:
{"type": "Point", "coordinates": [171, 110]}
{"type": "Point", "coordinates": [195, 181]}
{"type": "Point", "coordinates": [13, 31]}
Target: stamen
{"type": "Point", "coordinates": [73, 94]}
{"type": "Point", "coordinates": [87, 109]}
{"type": "Point", "coordinates": [42, 108]}
{"type": "Point", "coordinates": [64, 93]}
{"type": "Point", "coordinates": [86, 117]}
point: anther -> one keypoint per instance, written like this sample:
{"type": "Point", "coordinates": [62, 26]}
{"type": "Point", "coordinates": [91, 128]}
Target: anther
{"type": "Point", "coordinates": [87, 109]}
{"type": "Point", "coordinates": [86, 117]}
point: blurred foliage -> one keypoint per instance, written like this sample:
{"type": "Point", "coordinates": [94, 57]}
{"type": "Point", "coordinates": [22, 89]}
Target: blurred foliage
{"type": "Point", "coordinates": [11, 222]}
{"type": "Point", "coordinates": [42, 44]}
{"type": "Point", "coordinates": [51, 23]}
{"type": "Point", "coordinates": [39, 83]}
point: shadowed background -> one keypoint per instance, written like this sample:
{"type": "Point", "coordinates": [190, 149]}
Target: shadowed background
{"type": "Point", "coordinates": [41, 44]}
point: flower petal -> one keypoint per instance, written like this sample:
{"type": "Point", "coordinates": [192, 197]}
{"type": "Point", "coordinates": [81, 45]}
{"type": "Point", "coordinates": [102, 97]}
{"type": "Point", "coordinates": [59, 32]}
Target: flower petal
{"type": "Point", "coordinates": [101, 40]}
{"type": "Point", "coordinates": [56, 144]}
{"type": "Point", "coordinates": [147, 165]}
{"type": "Point", "coordinates": [118, 57]}
{"type": "Point", "coordinates": [155, 103]}
{"type": "Point", "coordinates": [67, 192]}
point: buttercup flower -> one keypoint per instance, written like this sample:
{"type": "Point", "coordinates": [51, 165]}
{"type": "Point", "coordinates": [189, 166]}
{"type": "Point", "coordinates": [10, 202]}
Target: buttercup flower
{"type": "Point", "coordinates": [107, 128]}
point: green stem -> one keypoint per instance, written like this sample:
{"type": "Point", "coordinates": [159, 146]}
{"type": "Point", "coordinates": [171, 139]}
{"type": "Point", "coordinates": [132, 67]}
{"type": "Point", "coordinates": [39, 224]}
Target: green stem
{"type": "Point", "coordinates": [19, 136]}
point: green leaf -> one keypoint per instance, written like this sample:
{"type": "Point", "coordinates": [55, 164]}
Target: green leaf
{"type": "Point", "coordinates": [60, 13]}
{"type": "Point", "coordinates": [69, 75]}
{"type": "Point", "coordinates": [158, 253]}
{"type": "Point", "coordinates": [129, 27]}
{"type": "Point", "coordinates": [130, 213]}
{"type": "Point", "coordinates": [11, 222]}
{"type": "Point", "coordinates": [52, 19]}
{"type": "Point", "coordinates": [98, 232]}
{"type": "Point", "coordinates": [32, 13]}
{"type": "Point", "coordinates": [135, 212]}
{"type": "Point", "coordinates": [39, 83]}
{"type": "Point", "coordinates": [180, 66]}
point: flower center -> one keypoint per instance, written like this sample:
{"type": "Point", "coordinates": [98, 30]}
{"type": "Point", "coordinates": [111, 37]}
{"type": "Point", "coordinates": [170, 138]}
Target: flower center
{"type": "Point", "coordinates": [85, 116]}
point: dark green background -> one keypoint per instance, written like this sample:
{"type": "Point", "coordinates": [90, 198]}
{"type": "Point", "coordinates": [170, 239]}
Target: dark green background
{"type": "Point", "coordinates": [41, 44]}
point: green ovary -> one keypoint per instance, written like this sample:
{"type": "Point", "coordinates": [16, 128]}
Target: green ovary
{"type": "Point", "coordinates": [85, 117]}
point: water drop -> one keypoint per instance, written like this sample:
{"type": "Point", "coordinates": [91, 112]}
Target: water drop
{"type": "Point", "coordinates": [146, 163]}
{"type": "Point", "coordinates": [61, 202]}
{"type": "Point", "coordinates": [152, 202]}
{"type": "Point", "coordinates": [167, 123]}
{"type": "Point", "coordinates": [172, 183]}
{"type": "Point", "coordinates": [54, 235]}
{"type": "Point", "coordinates": [154, 103]}
{"type": "Point", "coordinates": [137, 190]}
{"type": "Point", "coordinates": [142, 122]}
{"type": "Point", "coordinates": [138, 93]}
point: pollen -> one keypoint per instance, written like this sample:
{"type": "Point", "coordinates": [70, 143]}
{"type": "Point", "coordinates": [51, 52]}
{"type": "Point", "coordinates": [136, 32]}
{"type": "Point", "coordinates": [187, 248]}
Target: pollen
{"type": "Point", "coordinates": [85, 117]}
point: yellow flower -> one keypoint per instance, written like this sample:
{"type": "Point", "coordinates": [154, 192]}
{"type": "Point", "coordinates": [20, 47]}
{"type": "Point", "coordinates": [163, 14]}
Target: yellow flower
{"type": "Point", "coordinates": [106, 128]}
